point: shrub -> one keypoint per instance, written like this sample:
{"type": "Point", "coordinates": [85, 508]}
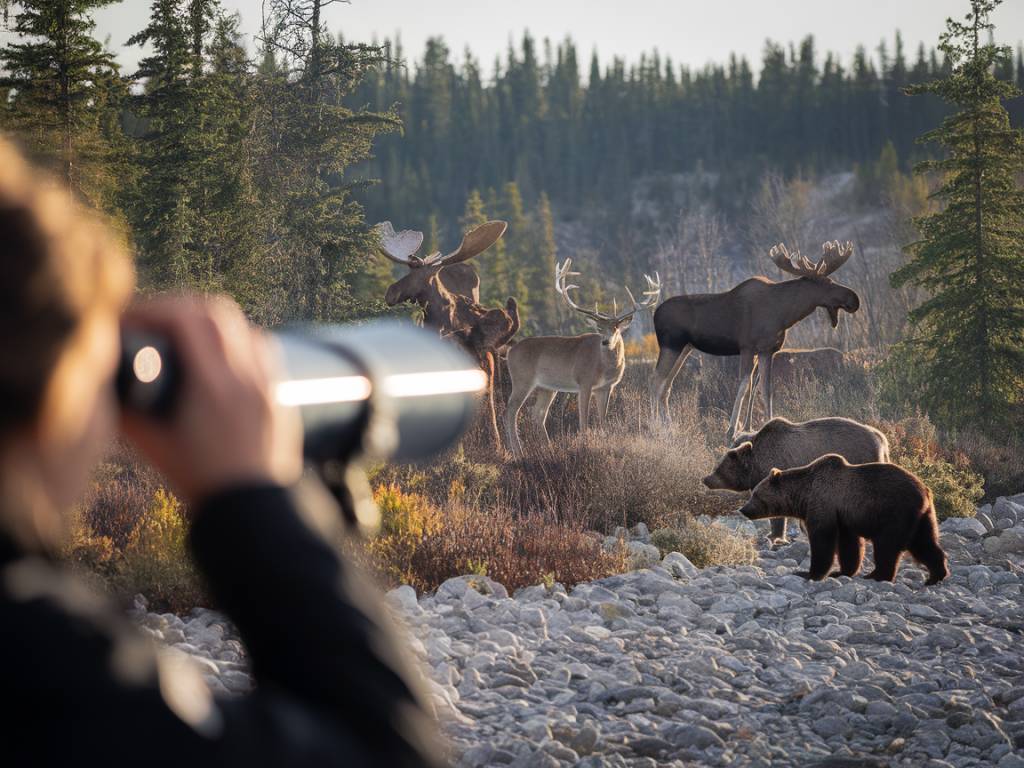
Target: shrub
{"type": "Point", "coordinates": [121, 492]}
{"type": "Point", "coordinates": [405, 514]}
{"type": "Point", "coordinates": [645, 349]}
{"type": "Point", "coordinates": [955, 486]}
{"type": "Point", "coordinates": [495, 542]}
{"type": "Point", "coordinates": [610, 480]}
{"type": "Point", "coordinates": [706, 545]}
{"type": "Point", "coordinates": [1001, 462]}
{"type": "Point", "coordinates": [157, 562]}
{"type": "Point", "coordinates": [84, 549]}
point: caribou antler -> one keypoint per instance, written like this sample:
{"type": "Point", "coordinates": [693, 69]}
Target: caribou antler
{"type": "Point", "coordinates": [400, 246]}
{"type": "Point", "coordinates": [650, 295]}
{"type": "Point", "coordinates": [833, 256]}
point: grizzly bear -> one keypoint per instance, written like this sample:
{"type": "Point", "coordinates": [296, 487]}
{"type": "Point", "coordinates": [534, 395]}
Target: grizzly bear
{"type": "Point", "coordinates": [785, 444]}
{"type": "Point", "coordinates": [841, 504]}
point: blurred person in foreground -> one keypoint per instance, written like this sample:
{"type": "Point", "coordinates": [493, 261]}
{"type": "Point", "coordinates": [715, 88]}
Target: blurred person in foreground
{"type": "Point", "coordinates": [81, 685]}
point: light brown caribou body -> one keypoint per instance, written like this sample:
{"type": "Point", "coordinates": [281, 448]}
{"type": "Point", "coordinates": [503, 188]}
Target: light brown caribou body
{"type": "Point", "coordinates": [751, 321]}
{"type": "Point", "coordinates": [590, 364]}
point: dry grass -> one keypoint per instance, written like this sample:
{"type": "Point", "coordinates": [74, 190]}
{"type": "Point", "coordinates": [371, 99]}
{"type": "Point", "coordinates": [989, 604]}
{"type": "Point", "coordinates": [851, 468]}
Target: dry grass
{"type": "Point", "coordinates": [541, 518]}
{"type": "Point", "coordinates": [706, 545]}
{"type": "Point", "coordinates": [495, 542]}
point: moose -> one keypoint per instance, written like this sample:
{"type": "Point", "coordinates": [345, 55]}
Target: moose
{"type": "Point", "coordinates": [448, 290]}
{"type": "Point", "coordinates": [751, 321]}
{"type": "Point", "coordinates": [450, 269]}
{"type": "Point", "coordinates": [591, 363]}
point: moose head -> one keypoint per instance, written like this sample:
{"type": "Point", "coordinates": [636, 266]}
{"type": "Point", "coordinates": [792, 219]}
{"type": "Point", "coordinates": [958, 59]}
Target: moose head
{"type": "Point", "coordinates": [833, 295]}
{"type": "Point", "coordinates": [418, 286]}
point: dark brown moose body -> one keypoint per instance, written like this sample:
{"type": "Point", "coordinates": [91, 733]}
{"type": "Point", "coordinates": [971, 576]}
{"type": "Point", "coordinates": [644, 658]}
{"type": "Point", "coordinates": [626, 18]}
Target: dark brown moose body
{"type": "Point", "coordinates": [784, 444]}
{"type": "Point", "coordinates": [842, 504]}
{"type": "Point", "coordinates": [751, 321]}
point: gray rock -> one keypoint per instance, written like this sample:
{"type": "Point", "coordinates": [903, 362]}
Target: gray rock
{"type": "Point", "coordinates": [968, 527]}
{"type": "Point", "coordinates": [692, 736]}
{"type": "Point", "coordinates": [680, 566]}
{"type": "Point", "coordinates": [1009, 541]}
{"type": "Point", "coordinates": [643, 555]}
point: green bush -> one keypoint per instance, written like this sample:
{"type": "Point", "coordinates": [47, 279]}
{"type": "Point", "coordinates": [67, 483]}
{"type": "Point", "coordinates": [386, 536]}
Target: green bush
{"type": "Point", "coordinates": [955, 486]}
{"type": "Point", "coordinates": [156, 561]}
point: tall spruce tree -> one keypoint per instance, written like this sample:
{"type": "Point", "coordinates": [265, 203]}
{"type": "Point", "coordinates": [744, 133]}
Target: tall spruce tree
{"type": "Point", "coordinates": [61, 76]}
{"type": "Point", "coordinates": [309, 138]}
{"type": "Point", "coordinates": [967, 346]}
{"type": "Point", "coordinates": [163, 216]}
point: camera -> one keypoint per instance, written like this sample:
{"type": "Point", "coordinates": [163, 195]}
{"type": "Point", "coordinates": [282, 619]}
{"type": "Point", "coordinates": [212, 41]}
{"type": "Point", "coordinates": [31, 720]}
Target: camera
{"type": "Point", "coordinates": [385, 389]}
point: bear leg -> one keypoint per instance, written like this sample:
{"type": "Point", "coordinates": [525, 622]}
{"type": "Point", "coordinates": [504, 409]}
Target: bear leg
{"type": "Point", "coordinates": [887, 560]}
{"type": "Point", "coordinates": [778, 529]}
{"type": "Point", "coordinates": [823, 551]}
{"type": "Point", "coordinates": [851, 553]}
{"type": "Point", "coordinates": [925, 549]}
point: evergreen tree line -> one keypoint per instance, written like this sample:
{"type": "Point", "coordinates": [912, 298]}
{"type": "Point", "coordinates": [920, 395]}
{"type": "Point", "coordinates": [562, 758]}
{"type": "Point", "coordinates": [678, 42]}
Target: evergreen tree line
{"type": "Point", "coordinates": [582, 139]}
{"type": "Point", "coordinates": [225, 174]}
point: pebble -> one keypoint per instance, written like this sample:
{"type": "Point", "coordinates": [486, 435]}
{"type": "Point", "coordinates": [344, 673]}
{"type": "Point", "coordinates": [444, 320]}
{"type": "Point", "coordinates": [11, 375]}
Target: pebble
{"type": "Point", "coordinates": [672, 665]}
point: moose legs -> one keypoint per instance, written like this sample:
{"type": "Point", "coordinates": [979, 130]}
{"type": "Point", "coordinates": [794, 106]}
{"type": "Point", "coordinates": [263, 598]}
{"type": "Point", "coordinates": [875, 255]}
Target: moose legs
{"type": "Point", "coordinates": [541, 405]}
{"type": "Point", "coordinates": [762, 379]}
{"type": "Point", "coordinates": [665, 372]}
{"type": "Point", "coordinates": [746, 384]}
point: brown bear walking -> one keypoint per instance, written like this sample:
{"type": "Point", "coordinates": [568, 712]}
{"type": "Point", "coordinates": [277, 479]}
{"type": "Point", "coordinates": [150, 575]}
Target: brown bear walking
{"type": "Point", "coordinates": [784, 444]}
{"type": "Point", "coordinates": [841, 504]}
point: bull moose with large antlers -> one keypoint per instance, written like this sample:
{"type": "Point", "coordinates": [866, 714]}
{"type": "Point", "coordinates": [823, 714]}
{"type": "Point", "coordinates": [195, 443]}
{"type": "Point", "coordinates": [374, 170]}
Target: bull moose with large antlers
{"type": "Point", "coordinates": [751, 321]}
{"type": "Point", "coordinates": [592, 363]}
{"type": "Point", "coordinates": [448, 290]}
{"type": "Point", "coordinates": [449, 269]}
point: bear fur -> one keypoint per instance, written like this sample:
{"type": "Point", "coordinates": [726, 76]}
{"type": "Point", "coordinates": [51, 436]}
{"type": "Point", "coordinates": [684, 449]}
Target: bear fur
{"type": "Point", "coordinates": [841, 504]}
{"type": "Point", "coordinates": [784, 444]}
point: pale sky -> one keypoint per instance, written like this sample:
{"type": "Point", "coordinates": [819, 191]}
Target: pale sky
{"type": "Point", "coordinates": [692, 32]}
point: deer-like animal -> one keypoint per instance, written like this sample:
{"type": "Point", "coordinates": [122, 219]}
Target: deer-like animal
{"type": "Point", "coordinates": [751, 321]}
{"type": "Point", "coordinates": [592, 363]}
{"type": "Point", "coordinates": [457, 277]}
{"type": "Point", "coordinates": [482, 332]}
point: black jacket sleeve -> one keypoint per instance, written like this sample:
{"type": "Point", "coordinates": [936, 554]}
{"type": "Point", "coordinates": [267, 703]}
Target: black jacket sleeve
{"type": "Point", "coordinates": [333, 687]}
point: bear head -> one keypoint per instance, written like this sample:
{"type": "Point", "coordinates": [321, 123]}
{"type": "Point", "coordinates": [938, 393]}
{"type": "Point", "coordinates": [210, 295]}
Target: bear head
{"type": "Point", "coordinates": [769, 498]}
{"type": "Point", "coordinates": [735, 471]}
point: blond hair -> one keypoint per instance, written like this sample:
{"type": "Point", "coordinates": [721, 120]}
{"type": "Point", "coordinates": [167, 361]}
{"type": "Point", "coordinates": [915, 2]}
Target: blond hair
{"type": "Point", "coordinates": [58, 264]}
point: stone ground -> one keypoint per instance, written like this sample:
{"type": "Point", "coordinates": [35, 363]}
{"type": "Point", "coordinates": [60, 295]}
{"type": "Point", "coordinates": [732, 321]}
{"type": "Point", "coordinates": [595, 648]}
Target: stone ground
{"type": "Point", "coordinates": [672, 665]}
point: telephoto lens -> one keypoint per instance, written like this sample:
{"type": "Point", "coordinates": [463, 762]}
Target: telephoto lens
{"type": "Point", "coordinates": [386, 389]}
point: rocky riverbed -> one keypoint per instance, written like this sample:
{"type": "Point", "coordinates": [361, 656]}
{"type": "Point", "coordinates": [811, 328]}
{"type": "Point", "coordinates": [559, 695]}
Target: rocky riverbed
{"type": "Point", "coordinates": [673, 665]}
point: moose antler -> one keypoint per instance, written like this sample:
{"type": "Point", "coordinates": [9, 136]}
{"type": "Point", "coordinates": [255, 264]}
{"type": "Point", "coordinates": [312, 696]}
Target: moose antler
{"type": "Point", "coordinates": [474, 242]}
{"type": "Point", "coordinates": [832, 258]}
{"type": "Point", "coordinates": [400, 246]}
{"type": "Point", "coordinates": [650, 295]}
{"type": "Point", "coordinates": [833, 255]}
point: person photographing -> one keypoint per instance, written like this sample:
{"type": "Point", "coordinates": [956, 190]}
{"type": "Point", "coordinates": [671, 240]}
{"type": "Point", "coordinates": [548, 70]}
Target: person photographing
{"type": "Point", "coordinates": [333, 686]}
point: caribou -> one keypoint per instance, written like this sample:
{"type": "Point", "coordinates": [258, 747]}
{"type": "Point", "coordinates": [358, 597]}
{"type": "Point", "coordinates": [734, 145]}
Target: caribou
{"type": "Point", "coordinates": [449, 269]}
{"type": "Point", "coordinates": [591, 363]}
{"type": "Point", "coordinates": [751, 321]}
